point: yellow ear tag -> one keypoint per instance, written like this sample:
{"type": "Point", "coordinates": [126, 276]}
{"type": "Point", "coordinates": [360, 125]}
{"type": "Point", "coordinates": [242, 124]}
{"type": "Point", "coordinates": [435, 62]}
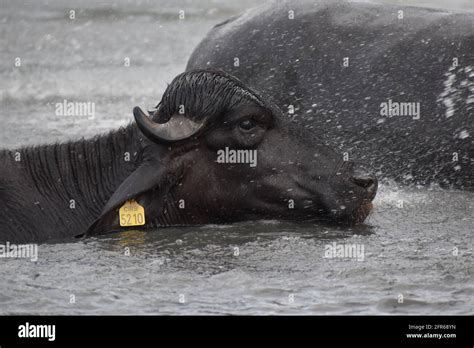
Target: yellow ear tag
{"type": "Point", "coordinates": [131, 214]}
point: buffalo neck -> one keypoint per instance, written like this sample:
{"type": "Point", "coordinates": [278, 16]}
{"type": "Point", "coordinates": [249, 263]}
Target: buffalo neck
{"type": "Point", "coordinates": [73, 181]}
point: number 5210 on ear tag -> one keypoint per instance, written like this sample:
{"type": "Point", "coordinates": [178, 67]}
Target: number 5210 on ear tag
{"type": "Point", "coordinates": [131, 214]}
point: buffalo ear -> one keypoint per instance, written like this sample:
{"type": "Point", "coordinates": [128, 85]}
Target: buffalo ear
{"type": "Point", "coordinates": [148, 185]}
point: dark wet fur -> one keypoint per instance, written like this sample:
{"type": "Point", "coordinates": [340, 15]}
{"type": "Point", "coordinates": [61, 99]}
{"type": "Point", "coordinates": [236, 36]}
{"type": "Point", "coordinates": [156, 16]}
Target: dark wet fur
{"type": "Point", "coordinates": [204, 94]}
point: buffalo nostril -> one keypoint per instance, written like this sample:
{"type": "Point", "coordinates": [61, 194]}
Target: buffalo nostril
{"type": "Point", "coordinates": [366, 180]}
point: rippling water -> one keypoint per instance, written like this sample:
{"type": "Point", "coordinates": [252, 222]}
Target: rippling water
{"type": "Point", "coordinates": [417, 243]}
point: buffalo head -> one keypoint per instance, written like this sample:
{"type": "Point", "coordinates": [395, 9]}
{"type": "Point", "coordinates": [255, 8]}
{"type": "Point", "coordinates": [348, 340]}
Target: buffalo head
{"type": "Point", "coordinates": [217, 151]}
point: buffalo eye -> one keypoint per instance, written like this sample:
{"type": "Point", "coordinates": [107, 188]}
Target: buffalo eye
{"type": "Point", "coordinates": [247, 125]}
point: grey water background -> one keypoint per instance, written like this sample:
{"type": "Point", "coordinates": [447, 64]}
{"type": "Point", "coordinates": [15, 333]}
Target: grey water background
{"type": "Point", "coordinates": [421, 250]}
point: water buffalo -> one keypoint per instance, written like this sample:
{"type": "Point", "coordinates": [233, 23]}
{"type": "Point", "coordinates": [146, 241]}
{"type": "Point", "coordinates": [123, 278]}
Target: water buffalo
{"type": "Point", "coordinates": [390, 85]}
{"type": "Point", "coordinates": [213, 151]}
